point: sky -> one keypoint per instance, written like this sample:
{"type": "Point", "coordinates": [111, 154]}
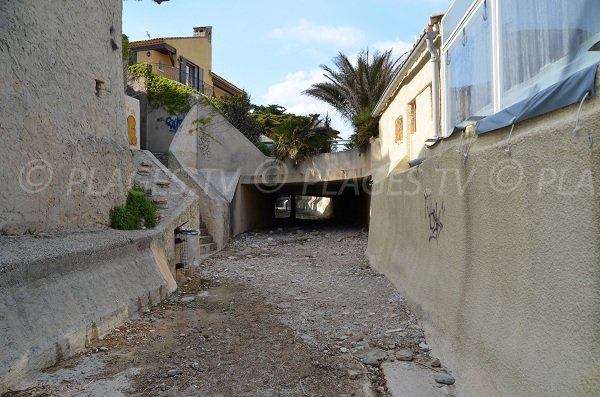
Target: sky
{"type": "Point", "coordinates": [274, 49]}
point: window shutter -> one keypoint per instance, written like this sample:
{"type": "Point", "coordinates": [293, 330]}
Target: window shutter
{"type": "Point", "coordinates": [201, 80]}
{"type": "Point", "coordinates": [182, 70]}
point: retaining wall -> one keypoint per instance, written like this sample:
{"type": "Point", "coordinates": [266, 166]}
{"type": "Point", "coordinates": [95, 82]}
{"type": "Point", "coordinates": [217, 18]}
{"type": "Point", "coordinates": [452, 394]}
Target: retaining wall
{"type": "Point", "coordinates": [61, 292]}
{"type": "Point", "coordinates": [500, 255]}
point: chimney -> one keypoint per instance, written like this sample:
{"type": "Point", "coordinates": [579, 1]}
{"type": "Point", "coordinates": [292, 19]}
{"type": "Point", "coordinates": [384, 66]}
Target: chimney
{"type": "Point", "coordinates": [203, 31]}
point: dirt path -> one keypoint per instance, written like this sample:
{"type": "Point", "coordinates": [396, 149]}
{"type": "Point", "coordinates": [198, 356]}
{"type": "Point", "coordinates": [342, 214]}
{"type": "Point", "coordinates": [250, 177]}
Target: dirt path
{"type": "Point", "coordinates": [281, 313]}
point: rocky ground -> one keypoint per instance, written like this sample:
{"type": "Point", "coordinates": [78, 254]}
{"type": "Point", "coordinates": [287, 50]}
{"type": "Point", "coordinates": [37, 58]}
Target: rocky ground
{"type": "Point", "coordinates": [287, 312]}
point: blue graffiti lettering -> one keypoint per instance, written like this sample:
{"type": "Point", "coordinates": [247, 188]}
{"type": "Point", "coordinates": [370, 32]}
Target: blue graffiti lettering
{"type": "Point", "coordinates": [174, 123]}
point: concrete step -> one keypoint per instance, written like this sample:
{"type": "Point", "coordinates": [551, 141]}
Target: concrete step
{"type": "Point", "coordinates": [161, 202]}
{"type": "Point", "coordinates": [206, 248]}
{"type": "Point", "coordinates": [205, 239]}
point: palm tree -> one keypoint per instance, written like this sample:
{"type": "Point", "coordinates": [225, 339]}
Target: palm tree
{"type": "Point", "coordinates": [354, 89]}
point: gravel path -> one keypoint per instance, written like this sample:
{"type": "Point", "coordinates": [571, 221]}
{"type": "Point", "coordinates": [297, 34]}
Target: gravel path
{"type": "Point", "coordinates": [285, 312]}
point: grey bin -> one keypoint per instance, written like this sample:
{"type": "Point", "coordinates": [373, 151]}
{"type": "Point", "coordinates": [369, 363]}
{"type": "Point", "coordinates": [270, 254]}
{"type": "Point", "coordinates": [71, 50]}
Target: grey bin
{"type": "Point", "coordinates": [186, 240]}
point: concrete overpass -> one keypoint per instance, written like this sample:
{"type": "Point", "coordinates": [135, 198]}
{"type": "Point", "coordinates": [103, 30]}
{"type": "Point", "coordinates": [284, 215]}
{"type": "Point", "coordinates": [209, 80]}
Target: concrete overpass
{"type": "Point", "coordinates": [238, 184]}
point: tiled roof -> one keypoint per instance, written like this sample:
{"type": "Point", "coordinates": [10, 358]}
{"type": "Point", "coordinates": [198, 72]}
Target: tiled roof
{"type": "Point", "coordinates": [221, 79]}
{"type": "Point", "coordinates": [158, 40]}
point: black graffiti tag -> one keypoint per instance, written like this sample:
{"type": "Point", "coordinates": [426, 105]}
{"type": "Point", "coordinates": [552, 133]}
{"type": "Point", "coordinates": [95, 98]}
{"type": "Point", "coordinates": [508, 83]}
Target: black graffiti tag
{"type": "Point", "coordinates": [434, 215]}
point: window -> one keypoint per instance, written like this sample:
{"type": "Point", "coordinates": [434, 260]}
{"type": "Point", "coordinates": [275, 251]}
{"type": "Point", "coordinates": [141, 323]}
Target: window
{"type": "Point", "coordinates": [469, 74]}
{"type": "Point", "coordinates": [499, 52]}
{"type": "Point", "coordinates": [190, 72]}
{"type": "Point", "coordinates": [536, 34]}
{"type": "Point", "coordinates": [399, 129]}
{"type": "Point", "coordinates": [412, 116]}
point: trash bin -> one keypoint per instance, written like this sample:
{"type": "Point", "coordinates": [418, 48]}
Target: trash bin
{"type": "Point", "coordinates": [186, 240]}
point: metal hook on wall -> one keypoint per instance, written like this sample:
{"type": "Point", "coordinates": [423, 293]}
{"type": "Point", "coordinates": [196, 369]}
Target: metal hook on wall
{"type": "Point", "coordinates": [577, 118]}
{"type": "Point", "coordinates": [508, 149]}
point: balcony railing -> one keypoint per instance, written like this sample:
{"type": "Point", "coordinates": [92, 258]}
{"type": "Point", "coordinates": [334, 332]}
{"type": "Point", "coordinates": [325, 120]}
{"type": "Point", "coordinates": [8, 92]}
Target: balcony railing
{"type": "Point", "coordinates": [173, 73]}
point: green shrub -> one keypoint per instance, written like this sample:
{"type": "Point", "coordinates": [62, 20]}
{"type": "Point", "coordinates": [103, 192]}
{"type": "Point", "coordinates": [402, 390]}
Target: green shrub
{"type": "Point", "coordinates": [123, 218]}
{"type": "Point", "coordinates": [236, 109]}
{"type": "Point", "coordinates": [138, 208]}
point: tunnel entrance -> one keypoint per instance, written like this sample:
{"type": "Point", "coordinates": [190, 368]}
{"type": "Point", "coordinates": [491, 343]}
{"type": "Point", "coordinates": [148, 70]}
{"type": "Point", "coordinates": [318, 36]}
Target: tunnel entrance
{"type": "Point", "coordinates": [338, 203]}
{"type": "Point", "coordinates": [303, 207]}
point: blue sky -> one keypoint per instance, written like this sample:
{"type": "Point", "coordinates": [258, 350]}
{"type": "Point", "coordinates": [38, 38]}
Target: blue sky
{"type": "Point", "coordinates": [273, 49]}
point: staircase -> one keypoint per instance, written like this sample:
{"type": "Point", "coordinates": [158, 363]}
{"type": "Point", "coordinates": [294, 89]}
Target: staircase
{"type": "Point", "coordinates": [159, 189]}
{"type": "Point", "coordinates": [205, 240]}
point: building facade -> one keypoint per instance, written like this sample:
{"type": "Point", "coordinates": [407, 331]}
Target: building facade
{"type": "Point", "coordinates": [187, 60]}
{"type": "Point", "coordinates": [492, 235]}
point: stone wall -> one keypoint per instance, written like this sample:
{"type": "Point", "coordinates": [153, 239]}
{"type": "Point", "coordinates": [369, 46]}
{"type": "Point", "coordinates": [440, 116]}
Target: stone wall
{"type": "Point", "coordinates": [64, 145]}
{"type": "Point", "coordinates": [499, 255]}
{"type": "Point", "coordinates": [61, 292]}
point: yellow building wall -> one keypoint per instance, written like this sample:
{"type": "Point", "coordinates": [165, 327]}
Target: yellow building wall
{"type": "Point", "coordinates": [198, 50]}
{"type": "Point", "coordinates": [219, 93]}
{"type": "Point", "coordinates": [154, 58]}
{"type": "Point", "coordinates": [415, 86]}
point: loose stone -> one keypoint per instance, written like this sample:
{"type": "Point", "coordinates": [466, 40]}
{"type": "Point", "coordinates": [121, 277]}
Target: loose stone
{"type": "Point", "coordinates": [404, 355]}
{"type": "Point", "coordinates": [444, 379]}
{"type": "Point", "coordinates": [174, 372]}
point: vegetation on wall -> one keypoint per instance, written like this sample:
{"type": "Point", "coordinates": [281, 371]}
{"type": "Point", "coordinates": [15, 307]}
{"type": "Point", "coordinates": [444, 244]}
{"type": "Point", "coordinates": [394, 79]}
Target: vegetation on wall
{"type": "Point", "coordinates": [174, 97]}
{"type": "Point", "coordinates": [236, 109]}
{"type": "Point", "coordinates": [125, 51]}
{"type": "Point", "coordinates": [138, 211]}
{"type": "Point", "coordinates": [354, 89]}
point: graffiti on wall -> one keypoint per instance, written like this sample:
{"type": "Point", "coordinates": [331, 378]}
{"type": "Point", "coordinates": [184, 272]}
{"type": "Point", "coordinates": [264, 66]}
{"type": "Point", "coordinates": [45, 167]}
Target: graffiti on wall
{"type": "Point", "coordinates": [173, 122]}
{"type": "Point", "coordinates": [434, 214]}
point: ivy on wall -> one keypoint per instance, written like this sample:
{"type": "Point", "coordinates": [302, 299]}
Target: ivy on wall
{"type": "Point", "coordinates": [170, 95]}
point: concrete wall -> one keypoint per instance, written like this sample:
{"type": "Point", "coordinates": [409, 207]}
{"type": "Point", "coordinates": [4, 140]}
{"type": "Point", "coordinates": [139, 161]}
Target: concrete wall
{"type": "Point", "coordinates": [251, 209]}
{"type": "Point", "coordinates": [339, 166]}
{"type": "Point", "coordinates": [62, 108]}
{"type": "Point", "coordinates": [221, 146]}
{"type": "Point", "coordinates": [499, 256]}
{"type": "Point", "coordinates": [60, 293]}
{"type": "Point", "coordinates": [160, 129]}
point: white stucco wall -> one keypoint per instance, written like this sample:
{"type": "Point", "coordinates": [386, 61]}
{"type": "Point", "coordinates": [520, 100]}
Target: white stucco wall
{"type": "Point", "coordinates": [415, 86]}
{"type": "Point", "coordinates": [509, 291]}
{"type": "Point", "coordinates": [64, 140]}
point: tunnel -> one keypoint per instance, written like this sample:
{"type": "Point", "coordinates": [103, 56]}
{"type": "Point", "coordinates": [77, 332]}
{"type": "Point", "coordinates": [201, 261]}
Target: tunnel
{"type": "Point", "coordinates": [331, 203]}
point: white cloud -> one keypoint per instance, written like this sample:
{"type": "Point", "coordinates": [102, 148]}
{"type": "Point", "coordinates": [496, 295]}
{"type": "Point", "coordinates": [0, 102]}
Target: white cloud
{"type": "Point", "coordinates": [398, 47]}
{"type": "Point", "coordinates": [288, 93]}
{"type": "Point", "coordinates": [308, 32]}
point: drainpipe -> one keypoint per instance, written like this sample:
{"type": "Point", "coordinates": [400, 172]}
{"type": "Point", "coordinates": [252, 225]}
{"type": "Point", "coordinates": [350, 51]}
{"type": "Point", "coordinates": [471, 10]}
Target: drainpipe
{"type": "Point", "coordinates": [435, 85]}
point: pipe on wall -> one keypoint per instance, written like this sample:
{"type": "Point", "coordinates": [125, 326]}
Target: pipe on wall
{"type": "Point", "coordinates": [435, 83]}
